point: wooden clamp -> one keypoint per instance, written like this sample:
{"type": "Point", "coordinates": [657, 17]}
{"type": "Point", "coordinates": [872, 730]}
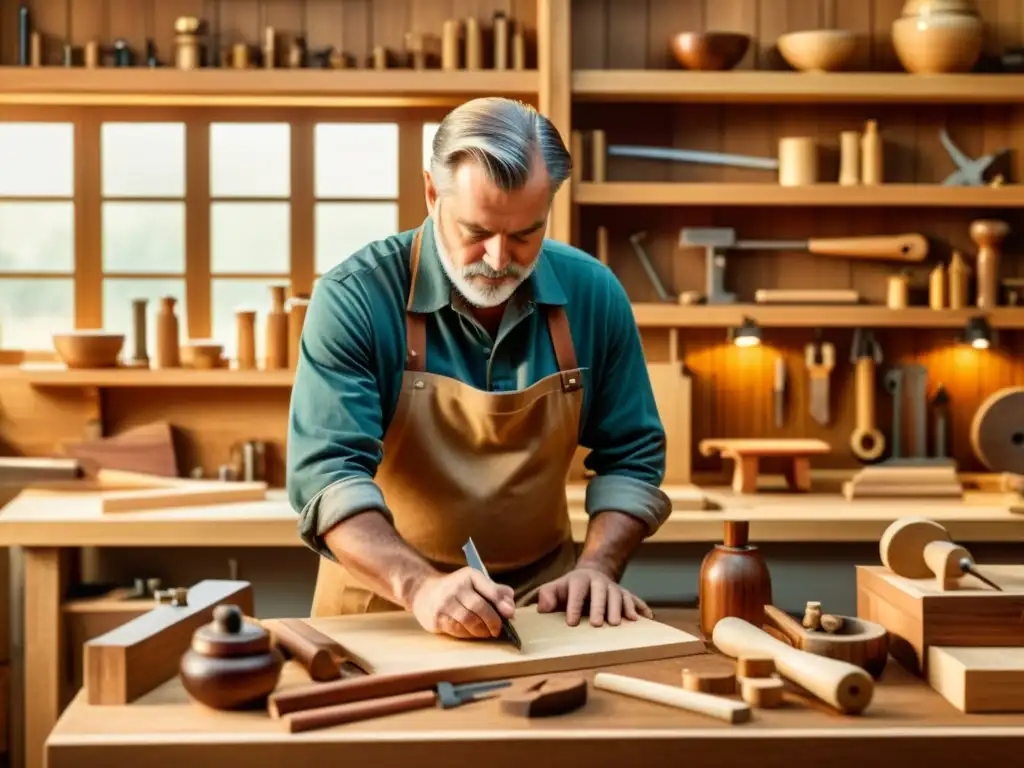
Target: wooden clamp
{"type": "Point", "coordinates": [137, 656]}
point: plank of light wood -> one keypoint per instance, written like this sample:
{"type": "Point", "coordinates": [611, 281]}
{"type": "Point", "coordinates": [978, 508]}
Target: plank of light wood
{"type": "Point", "coordinates": [765, 87]}
{"type": "Point", "coordinates": [394, 643]}
{"type": "Point", "coordinates": [666, 315]}
{"type": "Point", "coordinates": [652, 193]}
{"type": "Point", "coordinates": [978, 679]}
{"type": "Point", "coordinates": [57, 375]}
{"type": "Point", "coordinates": [256, 87]}
{"type": "Point", "coordinates": [45, 577]}
{"type": "Point", "coordinates": [139, 655]}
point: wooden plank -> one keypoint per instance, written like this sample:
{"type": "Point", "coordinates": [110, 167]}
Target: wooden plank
{"type": "Point", "coordinates": [139, 655]}
{"type": "Point", "coordinates": [23, 471]}
{"type": "Point", "coordinates": [978, 679]}
{"type": "Point", "coordinates": [554, 98]}
{"type": "Point", "coordinates": [589, 35]}
{"type": "Point", "coordinates": [46, 576]}
{"type": "Point", "coordinates": [199, 494]}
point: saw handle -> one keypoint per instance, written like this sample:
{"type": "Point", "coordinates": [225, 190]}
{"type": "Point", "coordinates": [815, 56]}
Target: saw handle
{"type": "Point", "coordinates": [909, 247]}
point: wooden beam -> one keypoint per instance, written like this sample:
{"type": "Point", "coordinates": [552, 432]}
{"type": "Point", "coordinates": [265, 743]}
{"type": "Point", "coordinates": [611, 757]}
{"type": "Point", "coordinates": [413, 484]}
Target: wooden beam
{"type": "Point", "coordinates": [554, 64]}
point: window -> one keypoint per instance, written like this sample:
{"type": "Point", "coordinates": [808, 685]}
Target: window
{"type": "Point", "coordinates": [356, 188]}
{"type": "Point", "coordinates": [37, 233]}
{"type": "Point", "coordinates": [250, 223]}
{"type": "Point", "coordinates": [143, 222]}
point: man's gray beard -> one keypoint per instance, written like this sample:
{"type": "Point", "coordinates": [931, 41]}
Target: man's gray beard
{"type": "Point", "coordinates": [485, 296]}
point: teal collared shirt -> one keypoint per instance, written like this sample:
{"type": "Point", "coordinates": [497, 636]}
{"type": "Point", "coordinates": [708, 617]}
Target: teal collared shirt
{"type": "Point", "coordinates": [352, 358]}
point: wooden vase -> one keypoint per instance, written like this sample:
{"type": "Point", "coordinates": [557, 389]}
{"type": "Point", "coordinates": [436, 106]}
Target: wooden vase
{"type": "Point", "coordinates": [277, 331]}
{"type": "Point", "coordinates": [140, 356]}
{"type": "Point", "coordinates": [168, 352]}
{"type": "Point", "coordinates": [734, 580]}
{"type": "Point", "coordinates": [245, 324]}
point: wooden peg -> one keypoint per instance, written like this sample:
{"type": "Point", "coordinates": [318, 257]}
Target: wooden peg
{"type": "Point", "coordinates": [849, 158]}
{"type": "Point", "coordinates": [245, 355]}
{"type": "Point", "coordinates": [937, 287]}
{"type": "Point", "coordinates": [898, 292]}
{"type": "Point", "coordinates": [597, 156]}
{"type": "Point", "coordinates": [240, 56]}
{"type": "Point", "coordinates": [812, 615]}
{"type": "Point", "coordinates": [519, 48]}
{"type": "Point", "coordinates": [500, 30]}
{"type": "Point", "coordinates": [957, 281]}
{"type": "Point", "coordinates": [450, 44]}
{"type": "Point", "coordinates": [988, 235]}
{"type": "Point", "coordinates": [702, 703]}
{"type": "Point", "coordinates": [871, 155]}
{"type": "Point", "coordinates": [602, 245]}
{"type": "Point", "coordinates": [91, 55]}
{"type": "Point", "coordinates": [755, 666]}
{"type": "Point", "coordinates": [269, 48]}
{"type": "Point", "coordinates": [474, 57]}
{"type": "Point", "coordinates": [722, 683]}
{"type": "Point", "coordinates": [35, 48]}
{"type": "Point", "coordinates": [762, 692]}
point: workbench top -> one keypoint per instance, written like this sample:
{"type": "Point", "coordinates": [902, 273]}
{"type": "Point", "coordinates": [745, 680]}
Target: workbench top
{"type": "Point", "coordinates": [34, 519]}
{"type": "Point", "coordinates": [907, 721]}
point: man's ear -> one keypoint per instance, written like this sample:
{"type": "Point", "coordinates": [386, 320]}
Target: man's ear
{"type": "Point", "coordinates": [429, 192]}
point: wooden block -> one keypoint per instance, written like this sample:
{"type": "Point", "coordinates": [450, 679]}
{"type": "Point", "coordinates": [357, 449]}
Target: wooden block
{"type": "Point", "coordinates": [755, 666]}
{"type": "Point", "coordinates": [808, 296]}
{"type": "Point", "coordinates": [905, 480]}
{"type": "Point", "coordinates": [722, 682]}
{"type": "Point", "coordinates": [133, 659]}
{"type": "Point", "coordinates": [978, 679]}
{"type": "Point", "coordinates": [762, 692]}
{"type": "Point", "coordinates": [917, 614]}
{"type": "Point", "coordinates": [200, 494]}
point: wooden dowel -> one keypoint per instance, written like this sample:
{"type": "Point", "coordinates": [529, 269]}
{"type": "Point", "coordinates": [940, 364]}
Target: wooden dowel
{"type": "Point", "coordinates": [315, 658]}
{"type": "Point", "coordinates": [336, 692]}
{"type": "Point", "coordinates": [325, 717]}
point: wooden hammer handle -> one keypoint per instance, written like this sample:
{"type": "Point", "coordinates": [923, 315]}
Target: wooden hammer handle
{"type": "Point", "coordinates": [846, 687]}
{"type": "Point", "coordinates": [910, 247]}
{"type": "Point", "coordinates": [325, 717]}
{"type": "Point", "coordinates": [316, 695]}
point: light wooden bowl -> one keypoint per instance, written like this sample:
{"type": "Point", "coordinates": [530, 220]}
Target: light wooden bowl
{"type": "Point", "coordinates": [203, 353]}
{"type": "Point", "coordinates": [88, 348]}
{"type": "Point", "coordinates": [709, 51]}
{"type": "Point", "coordinates": [817, 50]}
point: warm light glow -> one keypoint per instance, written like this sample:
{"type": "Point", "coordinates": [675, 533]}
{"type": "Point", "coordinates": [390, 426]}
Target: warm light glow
{"type": "Point", "coordinates": [980, 343]}
{"type": "Point", "coordinates": [746, 341]}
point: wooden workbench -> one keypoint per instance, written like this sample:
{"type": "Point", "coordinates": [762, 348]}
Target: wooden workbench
{"type": "Point", "coordinates": [48, 527]}
{"type": "Point", "coordinates": [907, 721]}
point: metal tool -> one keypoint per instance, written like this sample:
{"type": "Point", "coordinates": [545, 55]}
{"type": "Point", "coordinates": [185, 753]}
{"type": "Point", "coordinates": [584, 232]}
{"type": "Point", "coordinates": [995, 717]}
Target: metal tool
{"type": "Point", "coordinates": [970, 172]}
{"type": "Point", "coordinates": [967, 566]}
{"type": "Point", "coordinates": [779, 391]}
{"type": "Point", "coordinates": [820, 358]}
{"type": "Point", "coordinates": [652, 273]}
{"type": "Point", "coordinates": [717, 240]}
{"type": "Point", "coordinates": [694, 156]}
{"type": "Point", "coordinates": [893, 381]}
{"type": "Point", "coordinates": [916, 382]}
{"type": "Point", "coordinates": [941, 405]}
{"type": "Point", "coordinates": [449, 695]}
{"type": "Point", "coordinates": [508, 632]}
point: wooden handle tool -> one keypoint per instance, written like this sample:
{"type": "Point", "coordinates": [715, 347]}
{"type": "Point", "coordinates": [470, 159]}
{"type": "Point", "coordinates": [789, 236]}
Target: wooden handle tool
{"type": "Point", "coordinates": [335, 692]}
{"type": "Point", "coordinates": [702, 703]}
{"type": "Point", "coordinates": [319, 655]}
{"type": "Point", "coordinates": [325, 717]}
{"type": "Point", "coordinates": [845, 686]}
{"type": "Point", "coordinates": [909, 247]}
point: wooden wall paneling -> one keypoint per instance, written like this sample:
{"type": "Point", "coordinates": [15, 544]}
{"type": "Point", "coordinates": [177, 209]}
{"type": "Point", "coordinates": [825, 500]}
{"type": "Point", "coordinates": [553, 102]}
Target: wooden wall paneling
{"type": "Point", "coordinates": [88, 218]}
{"type": "Point", "coordinates": [735, 16]}
{"type": "Point", "coordinates": [198, 290]}
{"type": "Point", "coordinates": [288, 18]}
{"type": "Point", "coordinates": [324, 23]}
{"type": "Point", "coordinates": [131, 21]}
{"type": "Point", "coordinates": [303, 218]}
{"type": "Point", "coordinates": [554, 97]}
{"type": "Point", "coordinates": [34, 422]}
{"type": "Point", "coordinates": [389, 25]}
{"type": "Point", "coordinates": [8, 34]}
{"type": "Point", "coordinates": [357, 29]}
{"type": "Point", "coordinates": [590, 36]}
{"type": "Point", "coordinates": [883, 14]}
{"type": "Point", "coordinates": [1003, 21]}
{"type": "Point", "coordinates": [165, 13]}
{"type": "Point", "coordinates": [666, 18]}
{"type": "Point", "coordinates": [88, 24]}
{"type": "Point", "coordinates": [525, 13]}
{"type": "Point", "coordinates": [855, 17]}
{"type": "Point", "coordinates": [627, 34]}
{"type": "Point", "coordinates": [427, 19]}
{"type": "Point", "coordinates": [50, 18]}
{"type": "Point", "coordinates": [238, 21]}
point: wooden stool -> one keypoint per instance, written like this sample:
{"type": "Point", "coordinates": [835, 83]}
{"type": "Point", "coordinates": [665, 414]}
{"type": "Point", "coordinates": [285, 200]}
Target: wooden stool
{"type": "Point", "coordinates": [748, 453]}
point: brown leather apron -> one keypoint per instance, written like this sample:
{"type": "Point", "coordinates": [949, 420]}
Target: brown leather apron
{"type": "Point", "coordinates": [461, 462]}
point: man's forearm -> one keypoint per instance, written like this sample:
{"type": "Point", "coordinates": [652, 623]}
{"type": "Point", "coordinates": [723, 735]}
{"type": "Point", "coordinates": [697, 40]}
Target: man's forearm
{"type": "Point", "coordinates": [369, 547]}
{"type": "Point", "coordinates": [612, 537]}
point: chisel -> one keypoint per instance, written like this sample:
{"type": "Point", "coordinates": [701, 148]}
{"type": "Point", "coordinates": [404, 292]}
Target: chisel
{"type": "Point", "coordinates": [508, 632]}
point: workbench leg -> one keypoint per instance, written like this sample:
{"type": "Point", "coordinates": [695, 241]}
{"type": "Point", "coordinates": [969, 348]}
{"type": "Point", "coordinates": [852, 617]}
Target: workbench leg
{"type": "Point", "coordinates": [45, 581]}
{"type": "Point", "coordinates": [744, 476]}
{"type": "Point", "coordinates": [798, 473]}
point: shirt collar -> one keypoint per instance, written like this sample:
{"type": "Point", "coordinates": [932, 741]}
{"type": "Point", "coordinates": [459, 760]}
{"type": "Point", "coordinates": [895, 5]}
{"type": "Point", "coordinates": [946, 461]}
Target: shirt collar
{"type": "Point", "coordinates": [434, 290]}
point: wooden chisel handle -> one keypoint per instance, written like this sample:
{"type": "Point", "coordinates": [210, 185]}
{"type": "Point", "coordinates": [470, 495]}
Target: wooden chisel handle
{"type": "Point", "coordinates": [316, 657]}
{"type": "Point", "coordinates": [910, 247]}
{"type": "Point", "coordinates": [325, 717]}
{"type": "Point", "coordinates": [334, 692]}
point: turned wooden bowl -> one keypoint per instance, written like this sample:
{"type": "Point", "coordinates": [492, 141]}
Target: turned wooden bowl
{"type": "Point", "coordinates": [203, 353]}
{"type": "Point", "coordinates": [817, 50]}
{"type": "Point", "coordinates": [88, 349]}
{"type": "Point", "coordinates": [709, 51]}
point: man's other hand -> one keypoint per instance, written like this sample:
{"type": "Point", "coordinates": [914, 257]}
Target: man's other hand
{"type": "Point", "coordinates": [460, 604]}
{"type": "Point", "coordinates": [608, 601]}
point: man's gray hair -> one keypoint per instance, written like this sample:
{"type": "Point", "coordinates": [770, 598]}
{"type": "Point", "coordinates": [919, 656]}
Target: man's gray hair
{"type": "Point", "coordinates": [504, 136]}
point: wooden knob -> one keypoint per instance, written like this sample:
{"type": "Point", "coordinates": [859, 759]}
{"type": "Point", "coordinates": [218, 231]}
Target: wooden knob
{"type": "Point", "coordinates": [989, 233]}
{"type": "Point", "coordinates": [228, 619]}
{"type": "Point", "coordinates": [737, 533]}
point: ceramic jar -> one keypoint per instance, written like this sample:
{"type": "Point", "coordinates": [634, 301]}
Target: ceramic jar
{"type": "Point", "coordinates": [938, 36]}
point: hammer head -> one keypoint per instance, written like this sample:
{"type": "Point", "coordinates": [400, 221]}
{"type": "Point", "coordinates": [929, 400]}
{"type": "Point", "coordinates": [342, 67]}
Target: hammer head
{"type": "Point", "coordinates": [708, 237]}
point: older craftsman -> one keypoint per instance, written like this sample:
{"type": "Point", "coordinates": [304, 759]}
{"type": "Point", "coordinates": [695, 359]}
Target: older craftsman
{"type": "Point", "coordinates": [445, 379]}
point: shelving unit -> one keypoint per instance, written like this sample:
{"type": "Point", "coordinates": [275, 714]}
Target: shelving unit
{"type": "Point", "coordinates": [56, 375]}
{"type": "Point", "coordinates": [652, 315]}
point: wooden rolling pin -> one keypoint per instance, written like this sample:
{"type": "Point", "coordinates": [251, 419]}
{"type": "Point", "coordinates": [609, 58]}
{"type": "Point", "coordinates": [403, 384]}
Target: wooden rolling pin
{"type": "Point", "coordinates": [729, 710]}
{"type": "Point", "coordinates": [846, 687]}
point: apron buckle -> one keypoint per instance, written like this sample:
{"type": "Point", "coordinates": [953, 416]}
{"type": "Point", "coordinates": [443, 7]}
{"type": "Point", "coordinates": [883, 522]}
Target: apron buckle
{"type": "Point", "coordinates": [571, 380]}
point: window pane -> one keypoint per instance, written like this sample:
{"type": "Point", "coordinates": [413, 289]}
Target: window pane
{"type": "Point", "coordinates": [144, 237]}
{"type": "Point", "coordinates": [250, 237]}
{"type": "Point", "coordinates": [37, 159]}
{"type": "Point", "coordinates": [429, 129]}
{"type": "Point", "coordinates": [31, 311]}
{"type": "Point", "coordinates": [344, 228]}
{"type": "Point", "coordinates": [357, 160]}
{"type": "Point", "coordinates": [229, 295]}
{"type": "Point", "coordinates": [118, 294]}
{"type": "Point", "coordinates": [143, 159]}
{"type": "Point", "coordinates": [37, 237]}
{"type": "Point", "coordinates": [250, 159]}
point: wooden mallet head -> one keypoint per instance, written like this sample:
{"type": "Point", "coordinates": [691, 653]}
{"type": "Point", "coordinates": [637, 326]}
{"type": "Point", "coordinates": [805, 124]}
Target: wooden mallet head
{"type": "Point", "coordinates": [918, 548]}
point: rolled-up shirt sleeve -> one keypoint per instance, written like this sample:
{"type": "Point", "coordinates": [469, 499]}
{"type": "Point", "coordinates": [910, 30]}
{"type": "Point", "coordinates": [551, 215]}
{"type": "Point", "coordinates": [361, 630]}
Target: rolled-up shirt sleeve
{"type": "Point", "coordinates": [623, 429]}
{"type": "Point", "coordinates": [335, 422]}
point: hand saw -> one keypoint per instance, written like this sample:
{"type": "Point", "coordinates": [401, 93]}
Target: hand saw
{"type": "Point", "coordinates": [820, 359]}
{"type": "Point", "coordinates": [508, 632]}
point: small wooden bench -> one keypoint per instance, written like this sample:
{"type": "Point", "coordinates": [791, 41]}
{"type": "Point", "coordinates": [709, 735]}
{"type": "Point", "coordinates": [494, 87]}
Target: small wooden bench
{"type": "Point", "coordinates": [747, 453]}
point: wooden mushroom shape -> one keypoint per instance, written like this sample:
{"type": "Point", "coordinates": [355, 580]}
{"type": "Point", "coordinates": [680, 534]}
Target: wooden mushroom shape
{"type": "Point", "coordinates": [918, 548]}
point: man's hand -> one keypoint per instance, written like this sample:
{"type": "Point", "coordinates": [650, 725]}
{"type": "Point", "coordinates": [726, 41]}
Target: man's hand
{"type": "Point", "coordinates": [608, 601]}
{"type": "Point", "coordinates": [454, 604]}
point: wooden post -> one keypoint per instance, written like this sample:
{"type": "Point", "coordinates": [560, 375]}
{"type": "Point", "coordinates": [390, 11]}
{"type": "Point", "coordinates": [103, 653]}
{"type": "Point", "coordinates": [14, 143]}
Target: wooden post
{"type": "Point", "coordinates": [554, 65]}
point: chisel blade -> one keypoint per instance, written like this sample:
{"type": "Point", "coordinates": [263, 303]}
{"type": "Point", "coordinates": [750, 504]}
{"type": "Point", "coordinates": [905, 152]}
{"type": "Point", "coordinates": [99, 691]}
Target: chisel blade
{"type": "Point", "coordinates": [474, 561]}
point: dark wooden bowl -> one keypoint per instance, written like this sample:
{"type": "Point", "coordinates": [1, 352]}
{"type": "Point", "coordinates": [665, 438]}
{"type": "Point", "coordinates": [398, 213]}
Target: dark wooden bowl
{"type": "Point", "coordinates": [710, 51]}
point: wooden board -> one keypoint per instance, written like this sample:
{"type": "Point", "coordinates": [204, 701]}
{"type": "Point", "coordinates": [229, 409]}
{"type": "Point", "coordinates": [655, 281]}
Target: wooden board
{"type": "Point", "coordinates": [136, 657]}
{"type": "Point", "coordinates": [395, 643]}
{"type": "Point", "coordinates": [148, 449]}
{"type": "Point", "coordinates": [978, 679]}
{"type": "Point", "coordinates": [672, 393]}
{"type": "Point", "coordinates": [198, 494]}
{"type": "Point", "coordinates": [918, 615]}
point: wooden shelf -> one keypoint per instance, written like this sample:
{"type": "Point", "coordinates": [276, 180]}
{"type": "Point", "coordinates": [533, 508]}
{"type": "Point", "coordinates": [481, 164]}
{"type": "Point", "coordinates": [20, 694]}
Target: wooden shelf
{"type": "Point", "coordinates": [653, 315]}
{"type": "Point", "coordinates": [643, 85]}
{"type": "Point", "coordinates": [138, 86]}
{"type": "Point", "coordinates": [56, 375]}
{"type": "Point", "coordinates": [816, 195]}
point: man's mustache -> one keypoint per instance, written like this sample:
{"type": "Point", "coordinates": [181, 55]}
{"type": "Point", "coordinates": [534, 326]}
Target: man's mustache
{"type": "Point", "coordinates": [480, 269]}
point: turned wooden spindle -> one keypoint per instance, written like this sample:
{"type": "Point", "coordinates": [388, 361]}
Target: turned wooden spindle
{"type": "Point", "coordinates": [957, 281]}
{"type": "Point", "coordinates": [245, 322]}
{"type": "Point", "coordinates": [849, 158]}
{"type": "Point", "coordinates": [937, 287]}
{"type": "Point", "coordinates": [988, 235]}
{"type": "Point", "coordinates": [277, 331]}
{"type": "Point", "coordinates": [168, 343]}
{"type": "Point", "coordinates": [734, 580]}
{"type": "Point", "coordinates": [450, 34]}
{"type": "Point", "coordinates": [501, 40]}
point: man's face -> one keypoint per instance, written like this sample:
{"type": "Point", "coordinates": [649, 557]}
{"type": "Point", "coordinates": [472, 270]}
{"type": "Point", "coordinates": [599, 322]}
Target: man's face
{"type": "Point", "coordinates": [489, 240]}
